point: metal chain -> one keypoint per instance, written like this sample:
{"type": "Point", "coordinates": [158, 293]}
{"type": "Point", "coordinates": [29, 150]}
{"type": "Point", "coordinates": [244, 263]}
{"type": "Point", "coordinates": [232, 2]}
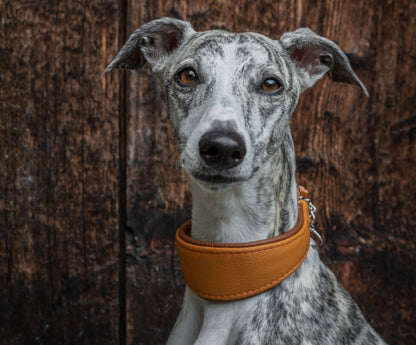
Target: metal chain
{"type": "Point", "coordinates": [315, 234]}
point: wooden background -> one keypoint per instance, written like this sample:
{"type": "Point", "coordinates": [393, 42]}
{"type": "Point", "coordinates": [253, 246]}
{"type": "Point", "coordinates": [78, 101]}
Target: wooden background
{"type": "Point", "coordinates": [90, 194]}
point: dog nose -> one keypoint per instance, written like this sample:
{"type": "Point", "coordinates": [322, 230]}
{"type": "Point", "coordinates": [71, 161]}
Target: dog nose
{"type": "Point", "coordinates": [222, 149]}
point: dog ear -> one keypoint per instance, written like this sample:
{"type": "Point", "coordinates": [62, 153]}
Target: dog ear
{"type": "Point", "coordinates": [152, 42]}
{"type": "Point", "coordinates": [314, 56]}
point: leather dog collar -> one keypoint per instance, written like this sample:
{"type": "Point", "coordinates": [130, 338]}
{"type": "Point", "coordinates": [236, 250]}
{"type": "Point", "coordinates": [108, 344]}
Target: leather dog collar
{"type": "Point", "coordinates": [232, 271]}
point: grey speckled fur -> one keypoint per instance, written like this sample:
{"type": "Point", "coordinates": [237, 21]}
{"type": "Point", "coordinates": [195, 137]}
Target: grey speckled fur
{"type": "Point", "coordinates": [256, 198]}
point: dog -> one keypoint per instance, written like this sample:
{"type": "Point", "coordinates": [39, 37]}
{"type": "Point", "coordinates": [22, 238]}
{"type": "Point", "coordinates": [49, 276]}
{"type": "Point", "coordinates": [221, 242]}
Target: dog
{"type": "Point", "coordinates": [230, 97]}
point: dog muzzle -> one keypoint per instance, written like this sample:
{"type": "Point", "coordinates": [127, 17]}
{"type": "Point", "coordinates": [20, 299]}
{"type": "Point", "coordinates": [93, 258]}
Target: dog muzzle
{"type": "Point", "coordinates": [232, 271]}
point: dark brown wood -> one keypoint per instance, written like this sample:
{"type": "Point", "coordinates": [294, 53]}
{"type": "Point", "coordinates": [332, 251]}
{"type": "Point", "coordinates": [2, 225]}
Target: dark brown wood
{"type": "Point", "coordinates": [59, 173]}
{"type": "Point", "coordinates": [360, 155]}
{"type": "Point", "coordinates": [73, 172]}
{"type": "Point", "coordinates": [355, 155]}
{"type": "Point", "coordinates": [158, 199]}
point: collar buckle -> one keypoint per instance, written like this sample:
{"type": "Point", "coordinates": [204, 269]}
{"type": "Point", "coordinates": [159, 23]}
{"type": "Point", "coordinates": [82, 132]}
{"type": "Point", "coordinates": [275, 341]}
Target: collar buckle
{"type": "Point", "coordinates": [319, 241]}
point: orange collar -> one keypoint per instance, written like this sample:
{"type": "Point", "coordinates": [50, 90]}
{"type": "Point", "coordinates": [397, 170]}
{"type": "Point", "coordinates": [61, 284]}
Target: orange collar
{"type": "Point", "coordinates": [232, 271]}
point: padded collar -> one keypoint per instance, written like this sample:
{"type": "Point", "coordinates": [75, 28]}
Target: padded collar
{"type": "Point", "coordinates": [232, 271]}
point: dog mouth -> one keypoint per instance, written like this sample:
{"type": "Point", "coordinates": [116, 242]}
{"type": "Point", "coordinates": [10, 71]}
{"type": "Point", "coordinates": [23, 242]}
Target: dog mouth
{"type": "Point", "coordinates": [216, 181]}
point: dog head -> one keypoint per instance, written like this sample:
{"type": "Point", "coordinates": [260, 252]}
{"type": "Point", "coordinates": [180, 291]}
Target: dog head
{"type": "Point", "coordinates": [230, 96]}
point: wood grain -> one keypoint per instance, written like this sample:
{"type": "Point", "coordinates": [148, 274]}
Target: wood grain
{"type": "Point", "coordinates": [355, 155]}
{"type": "Point", "coordinates": [90, 192]}
{"type": "Point", "coordinates": [59, 173]}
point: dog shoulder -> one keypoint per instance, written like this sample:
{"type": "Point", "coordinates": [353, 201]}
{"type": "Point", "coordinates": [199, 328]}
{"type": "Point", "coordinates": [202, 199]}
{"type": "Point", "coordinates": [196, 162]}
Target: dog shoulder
{"type": "Point", "coordinates": [308, 308]}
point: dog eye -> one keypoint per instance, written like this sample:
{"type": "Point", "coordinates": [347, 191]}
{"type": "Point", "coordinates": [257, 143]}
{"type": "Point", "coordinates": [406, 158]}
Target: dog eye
{"type": "Point", "coordinates": [187, 76]}
{"type": "Point", "coordinates": [271, 85]}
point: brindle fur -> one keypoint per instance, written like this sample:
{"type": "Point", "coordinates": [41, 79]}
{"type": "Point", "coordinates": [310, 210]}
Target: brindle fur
{"type": "Point", "coordinates": [256, 199]}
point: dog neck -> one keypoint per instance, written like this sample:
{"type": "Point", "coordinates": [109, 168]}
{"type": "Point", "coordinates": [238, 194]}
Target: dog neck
{"type": "Point", "coordinates": [260, 208]}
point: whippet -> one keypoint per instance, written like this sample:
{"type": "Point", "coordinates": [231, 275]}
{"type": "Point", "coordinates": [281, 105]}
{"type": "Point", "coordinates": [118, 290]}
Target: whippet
{"type": "Point", "coordinates": [230, 97]}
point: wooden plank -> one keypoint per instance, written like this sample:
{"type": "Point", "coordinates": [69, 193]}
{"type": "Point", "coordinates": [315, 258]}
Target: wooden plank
{"type": "Point", "coordinates": [359, 166]}
{"type": "Point", "coordinates": [59, 173]}
{"type": "Point", "coordinates": [354, 154]}
{"type": "Point", "coordinates": [158, 199]}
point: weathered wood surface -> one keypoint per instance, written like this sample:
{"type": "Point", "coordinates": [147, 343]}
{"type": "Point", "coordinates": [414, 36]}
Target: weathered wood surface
{"type": "Point", "coordinates": [355, 155]}
{"type": "Point", "coordinates": [58, 173]}
{"type": "Point", "coordinates": [62, 165]}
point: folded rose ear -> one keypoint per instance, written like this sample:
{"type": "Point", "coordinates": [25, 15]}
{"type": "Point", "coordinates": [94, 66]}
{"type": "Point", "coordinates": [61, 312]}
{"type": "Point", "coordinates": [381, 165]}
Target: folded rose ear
{"type": "Point", "coordinates": [315, 56]}
{"type": "Point", "coordinates": [153, 42]}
